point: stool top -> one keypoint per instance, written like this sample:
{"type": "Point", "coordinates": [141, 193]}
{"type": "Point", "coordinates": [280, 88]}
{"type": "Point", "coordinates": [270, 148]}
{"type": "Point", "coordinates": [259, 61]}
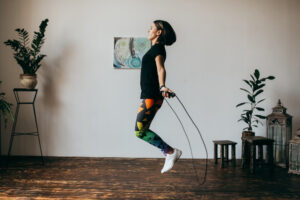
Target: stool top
{"type": "Point", "coordinates": [24, 89]}
{"type": "Point", "coordinates": [258, 139]}
{"type": "Point", "coordinates": [224, 142]}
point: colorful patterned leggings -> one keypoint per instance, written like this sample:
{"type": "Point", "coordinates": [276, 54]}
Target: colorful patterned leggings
{"type": "Point", "coordinates": [145, 115]}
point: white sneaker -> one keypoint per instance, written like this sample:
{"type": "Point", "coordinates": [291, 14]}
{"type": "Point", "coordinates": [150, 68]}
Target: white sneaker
{"type": "Point", "coordinates": [171, 159]}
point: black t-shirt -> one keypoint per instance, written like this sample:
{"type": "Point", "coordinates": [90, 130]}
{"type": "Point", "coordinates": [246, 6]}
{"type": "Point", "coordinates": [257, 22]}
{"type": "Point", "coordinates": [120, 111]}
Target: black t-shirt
{"type": "Point", "coordinates": [149, 78]}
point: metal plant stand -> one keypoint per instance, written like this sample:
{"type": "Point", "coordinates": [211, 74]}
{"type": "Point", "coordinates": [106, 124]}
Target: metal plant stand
{"type": "Point", "coordinates": [13, 133]}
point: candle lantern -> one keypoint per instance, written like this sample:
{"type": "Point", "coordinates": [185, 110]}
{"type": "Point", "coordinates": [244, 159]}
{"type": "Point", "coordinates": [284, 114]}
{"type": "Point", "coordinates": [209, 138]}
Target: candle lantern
{"type": "Point", "coordinates": [279, 128]}
{"type": "Point", "coordinates": [294, 155]}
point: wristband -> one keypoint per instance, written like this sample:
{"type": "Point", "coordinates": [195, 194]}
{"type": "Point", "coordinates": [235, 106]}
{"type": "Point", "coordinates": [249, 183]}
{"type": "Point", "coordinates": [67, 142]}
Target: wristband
{"type": "Point", "coordinates": [162, 86]}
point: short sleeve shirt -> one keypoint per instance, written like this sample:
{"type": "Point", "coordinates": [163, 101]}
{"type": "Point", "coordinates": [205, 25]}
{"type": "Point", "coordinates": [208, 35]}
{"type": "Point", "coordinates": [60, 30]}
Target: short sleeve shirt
{"type": "Point", "coordinates": [149, 78]}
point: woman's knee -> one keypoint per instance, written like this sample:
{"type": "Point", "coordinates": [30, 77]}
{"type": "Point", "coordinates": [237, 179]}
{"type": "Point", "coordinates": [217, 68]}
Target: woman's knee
{"type": "Point", "coordinates": [138, 134]}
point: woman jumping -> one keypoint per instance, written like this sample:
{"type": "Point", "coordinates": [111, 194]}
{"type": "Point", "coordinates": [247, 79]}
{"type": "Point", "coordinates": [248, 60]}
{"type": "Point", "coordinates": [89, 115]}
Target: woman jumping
{"type": "Point", "coordinates": [153, 89]}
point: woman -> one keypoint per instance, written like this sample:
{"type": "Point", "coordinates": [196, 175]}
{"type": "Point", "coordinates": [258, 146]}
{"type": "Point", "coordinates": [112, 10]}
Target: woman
{"type": "Point", "coordinates": [152, 82]}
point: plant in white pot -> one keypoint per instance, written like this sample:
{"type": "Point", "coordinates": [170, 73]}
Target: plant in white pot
{"type": "Point", "coordinates": [29, 57]}
{"type": "Point", "coordinates": [256, 84]}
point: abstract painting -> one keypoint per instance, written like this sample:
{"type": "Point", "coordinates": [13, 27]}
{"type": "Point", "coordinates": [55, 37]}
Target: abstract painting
{"type": "Point", "coordinates": [129, 51]}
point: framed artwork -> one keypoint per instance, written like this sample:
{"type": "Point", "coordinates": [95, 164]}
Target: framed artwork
{"type": "Point", "coordinates": [129, 51]}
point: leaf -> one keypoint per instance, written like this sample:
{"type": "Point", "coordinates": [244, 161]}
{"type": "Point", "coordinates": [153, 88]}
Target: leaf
{"type": "Point", "coordinates": [38, 38]}
{"type": "Point", "coordinates": [261, 117]}
{"type": "Point", "coordinates": [257, 121]}
{"type": "Point", "coordinates": [263, 79]}
{"type": "Point", "coordinates": [247, 83]}
{"type": "Point", "coordinates": [255, 86]}
{"type": "Point", "coordinates": [252, 78]}
{"type": "Point", "coordinates": [256, 74]}
{"type": "Point", "coordinates": [23, 34]}
{"type": "Point", "coordinates": [245, 119]}
{"type": "Point", "coordinates": [260, 101]}
{"type": "Point", "coordinates": [14, 44]}
{"type": "Point", "coordinates": [257, 93]}
{"type": "Point", "coordinates": [255, 125]}
{"type": "Point", "coordinates": [270, 77]}
{"type": "Point", "coordinates": [251, 99]}
{"type": "Point", "coordinates": [258, 81]}
{"type": "Point", "coordinates": [245, 90]}
{"type": "Point", "coordinates": [260, 86]}
{"type": "Point", "coordinates": [246, 110]}
{"type": "Point", "coordinates": [253, 83]}
{"type": "Point", "coordinates": [38, 60]}
{"type": "Point", "coordinates": [260, 109]}
{"type": "Point", "coordinates": [240, 104]}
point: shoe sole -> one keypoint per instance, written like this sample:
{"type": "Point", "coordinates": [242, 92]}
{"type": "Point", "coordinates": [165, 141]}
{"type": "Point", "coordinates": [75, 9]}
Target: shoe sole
{"type": "Point", "coordinates": [180, 152]}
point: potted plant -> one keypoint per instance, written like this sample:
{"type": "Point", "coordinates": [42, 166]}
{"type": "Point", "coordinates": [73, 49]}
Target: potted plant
{"type": "Point", "coordinates": [256, 84]}
{"type": "Point", "coordinates": [5, 108]}
{"type": "Point", "coordinates": [28, 58]}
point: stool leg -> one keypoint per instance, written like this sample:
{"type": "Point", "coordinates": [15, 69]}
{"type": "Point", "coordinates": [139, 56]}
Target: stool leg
{"type": "Point", "coordinates": [260, 154]}
{"type": "Point", "coordinates": [222, 156]}
{"type": "Point", "coordinates": [270, 156]}
{"type": "Point", "coordinates": [226, 153]}
{"type": "Point", "coordinates": [216, 153]}
{"type": "Point", "coordinates": [244, 154]}
{"type": "Point", "coordinates": [252, 158]}
{"type": "Point", "coordinates": [233, 154]}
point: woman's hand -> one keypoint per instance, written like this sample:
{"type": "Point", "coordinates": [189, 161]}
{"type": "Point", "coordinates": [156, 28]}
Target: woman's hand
{"type": "Point", "coordinates": [165, 90]}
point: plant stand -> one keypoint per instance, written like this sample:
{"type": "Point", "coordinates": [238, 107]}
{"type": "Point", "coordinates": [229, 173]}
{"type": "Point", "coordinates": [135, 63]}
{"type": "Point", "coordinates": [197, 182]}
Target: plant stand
{"type": "Point", "coordinates": [251, 142]}
{"type": "Point", "coordinates": [13, 133]}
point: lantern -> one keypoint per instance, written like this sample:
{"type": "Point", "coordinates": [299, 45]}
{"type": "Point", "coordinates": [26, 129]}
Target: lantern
{"type": "Point", "coordinates": [294, 155]}
{"type": "Point", "coordinates": [279, 128]}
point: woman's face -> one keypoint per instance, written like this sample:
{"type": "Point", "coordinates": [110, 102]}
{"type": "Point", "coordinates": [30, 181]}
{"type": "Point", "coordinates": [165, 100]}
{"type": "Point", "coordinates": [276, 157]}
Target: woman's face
{"type": "Point", "coordinates": [153, 32]}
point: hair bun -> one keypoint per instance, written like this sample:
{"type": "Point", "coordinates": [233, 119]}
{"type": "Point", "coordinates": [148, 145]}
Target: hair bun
{"type": "Point", "coordinates": [168, 36]}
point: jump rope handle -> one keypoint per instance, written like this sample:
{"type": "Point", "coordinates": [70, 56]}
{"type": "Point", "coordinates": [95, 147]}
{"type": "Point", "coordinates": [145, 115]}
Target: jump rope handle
{"type": "Point", "coordinates": [172, 94]}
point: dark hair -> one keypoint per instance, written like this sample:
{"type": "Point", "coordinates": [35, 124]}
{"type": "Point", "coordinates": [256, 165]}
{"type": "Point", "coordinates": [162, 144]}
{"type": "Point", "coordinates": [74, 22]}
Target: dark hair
{"type": "Point", "coordinates": [168, 35]}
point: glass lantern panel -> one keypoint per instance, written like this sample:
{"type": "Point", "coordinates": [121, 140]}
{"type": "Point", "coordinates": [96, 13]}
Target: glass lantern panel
{"type": "Point", "coordinates": [289, 133]}
{"type": "Point", "coordinates": [282, 135]}
{"type": "Point", "coordinates": [297, 152]}
{"type": "Point", "coordinates": [293, 158]}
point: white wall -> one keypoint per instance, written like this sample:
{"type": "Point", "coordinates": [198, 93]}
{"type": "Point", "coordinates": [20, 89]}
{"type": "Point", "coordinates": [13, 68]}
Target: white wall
{"type": "Point", "coordinates": [87, 108]}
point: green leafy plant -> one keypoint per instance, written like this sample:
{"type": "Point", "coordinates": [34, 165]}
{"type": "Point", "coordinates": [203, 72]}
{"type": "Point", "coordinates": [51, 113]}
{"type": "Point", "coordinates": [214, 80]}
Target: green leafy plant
{"type": "Point", "coordinates": [5, 108]}
{"type": "Point", "coordinates": [256, 84]}
{"type": "Point", "coordinates": [29, 58]}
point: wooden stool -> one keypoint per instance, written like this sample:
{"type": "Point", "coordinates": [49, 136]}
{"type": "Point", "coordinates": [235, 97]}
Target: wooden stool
{"type": "Point", "coordinates": [249, 151]}
{"type": "Point", "coordinates": [224, 158]}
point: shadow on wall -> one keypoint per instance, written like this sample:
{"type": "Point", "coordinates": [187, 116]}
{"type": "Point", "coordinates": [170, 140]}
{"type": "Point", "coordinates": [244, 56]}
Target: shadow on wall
{"type": "Point", "coordinates": [52, 79]}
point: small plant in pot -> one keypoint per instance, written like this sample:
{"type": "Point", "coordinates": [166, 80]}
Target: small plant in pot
{"type": "Point", "coordinates": [252, 120]}
{"type": "Point", "coordinates": [29, 57]}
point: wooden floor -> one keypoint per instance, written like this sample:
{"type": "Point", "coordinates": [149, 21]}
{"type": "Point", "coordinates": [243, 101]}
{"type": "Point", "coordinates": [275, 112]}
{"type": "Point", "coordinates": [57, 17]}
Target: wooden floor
{"type": "Point", "coordinates": [136, 178]}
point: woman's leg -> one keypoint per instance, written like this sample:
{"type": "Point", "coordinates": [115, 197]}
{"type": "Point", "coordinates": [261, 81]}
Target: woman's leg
{"type": "Point", "coordinates": [146, 113]}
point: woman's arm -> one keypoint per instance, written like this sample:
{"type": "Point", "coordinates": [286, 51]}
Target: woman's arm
{"type": "Point", "coordinates": [160, 69]}
{"type": "Point", "coordinates": [159, 59]}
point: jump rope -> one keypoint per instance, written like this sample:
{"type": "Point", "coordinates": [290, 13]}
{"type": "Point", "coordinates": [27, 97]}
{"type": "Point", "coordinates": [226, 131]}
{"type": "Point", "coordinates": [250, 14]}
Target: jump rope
{"type": "Point", "coordinates": [172, 94]}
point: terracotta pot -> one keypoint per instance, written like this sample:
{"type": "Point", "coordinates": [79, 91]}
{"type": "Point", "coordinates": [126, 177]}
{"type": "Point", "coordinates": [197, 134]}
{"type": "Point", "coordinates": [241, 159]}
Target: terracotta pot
{"type": "Point", "coordinates": [29, 81]}
{"type": "Point", "coordinates": [247, 133]}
